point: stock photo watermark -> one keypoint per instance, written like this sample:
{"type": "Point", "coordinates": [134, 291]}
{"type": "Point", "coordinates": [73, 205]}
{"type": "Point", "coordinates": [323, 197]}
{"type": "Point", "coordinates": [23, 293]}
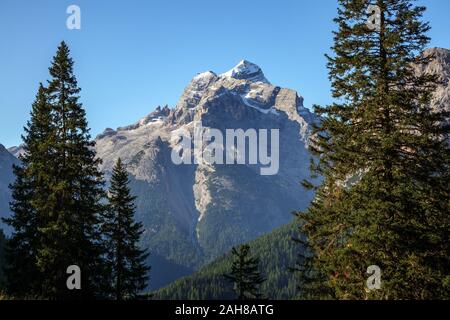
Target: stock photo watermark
{"type": "Point", "coordinates": [210, 146]}
{"type": "Point", "coordinates": [73, 22]}
{"type": "Point", "coordinates": [374, 280]}
{"type": "Point", "coordinates": [74, 280]}
{"type": "Point", "coordinates": [374, 20]}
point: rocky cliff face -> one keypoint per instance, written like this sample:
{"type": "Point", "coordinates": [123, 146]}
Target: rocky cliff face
{"type": "Point", "coordinates": [195, 212]}
{"type": "Point", "coordinates": [7, 160]}
{"type": "Point", "coordinates": [440, 64]}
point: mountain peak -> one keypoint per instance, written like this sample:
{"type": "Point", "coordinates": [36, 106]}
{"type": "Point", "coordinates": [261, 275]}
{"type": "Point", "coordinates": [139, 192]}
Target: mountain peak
{"type": "Point", "coordinates": [440, 56]}
{"type": "Point", "coordinates": [246, 70]}
{"type": "Point", "coordinates": [437, 50]}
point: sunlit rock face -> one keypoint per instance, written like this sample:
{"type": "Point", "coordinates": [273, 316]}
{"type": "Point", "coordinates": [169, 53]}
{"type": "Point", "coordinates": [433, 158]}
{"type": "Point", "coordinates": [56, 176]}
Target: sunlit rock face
{"type": "Point", "coordinates": [193, 213]}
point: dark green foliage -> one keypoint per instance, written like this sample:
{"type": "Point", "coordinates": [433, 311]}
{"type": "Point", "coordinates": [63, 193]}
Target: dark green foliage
{"type": "Point", "coordinates": [126, 261]}
{"type": "Point", "coordinates": [276, 251]}
{"type": "Point", "coordinates": [57, 196]}
{"type": "Point", "coordinates": [28, 191]}
{"type": "Point", "coordinates": [384, 155]}
{"type": "Point", "coordinates": [244, 274]}
{"type": "Point", "coordinates": [71, 234]}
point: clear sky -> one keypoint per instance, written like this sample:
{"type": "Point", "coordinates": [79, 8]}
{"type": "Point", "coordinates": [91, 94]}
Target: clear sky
{"type": "Point", "coordinates": [134, 55]}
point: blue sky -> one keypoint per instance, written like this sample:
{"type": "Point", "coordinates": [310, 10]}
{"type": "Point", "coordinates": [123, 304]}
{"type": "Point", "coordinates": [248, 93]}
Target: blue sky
{"type": "Point", "coordinates": [134, 55]}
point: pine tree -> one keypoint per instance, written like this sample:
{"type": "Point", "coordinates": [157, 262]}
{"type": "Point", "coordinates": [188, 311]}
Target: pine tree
{"type": "Point", "coordinates": [245, 274]}
{"type": "Point", "coordinates": [126, 261]}
{"type": "Point", "coordinates": [69, 231]}
{"type": "Point", "coordinates": [29, 192]}
{"type": "Point", "coordinates": [383, 152]}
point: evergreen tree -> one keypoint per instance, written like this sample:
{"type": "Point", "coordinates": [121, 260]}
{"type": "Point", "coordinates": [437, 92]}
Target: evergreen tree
{"type": "Point", "coordinates": [29, 194]}
{"type": "Point", "coordinates": [383, 152]}
{"type": "Point", "coordinates": [56, 196]}
{"type": "Point", "coordinates": [244, 275]}
{"type": "Point", "coordinates": [70, 230]}
{"type": "Point", "coordinates": [126, 261]}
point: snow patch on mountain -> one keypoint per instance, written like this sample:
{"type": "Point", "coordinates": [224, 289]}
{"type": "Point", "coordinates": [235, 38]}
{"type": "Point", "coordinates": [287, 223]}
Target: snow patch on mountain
{"type": "Point", "coordinates": [251, 103]}
{"type": "Point", "coordinates": [245, 70]}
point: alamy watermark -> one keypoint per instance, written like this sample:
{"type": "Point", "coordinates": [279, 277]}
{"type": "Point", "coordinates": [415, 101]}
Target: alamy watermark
{"type": "Point", "coordinates": [73, 22]}
{"type": "Point", "coordinates": [74, 280]}
{"type": "Point", "coordinates": [374, 20]}
{"type": "Point", "coordinates": [374, 280]}
{"type": "Point", "coordinates": [204, 145]}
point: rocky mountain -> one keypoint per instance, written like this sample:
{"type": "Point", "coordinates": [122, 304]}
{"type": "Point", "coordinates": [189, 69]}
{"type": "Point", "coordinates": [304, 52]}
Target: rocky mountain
{"type": "Point", "coordinates": [17, 150]}
{"type": "Point", "coordinates": [7, 160]}
{"type": "Point", "coordinates": [440, 64]}
{"type": "Point", "coordinates": [193, 213]}
{"type": "Point", "coordinates": [208, 282]}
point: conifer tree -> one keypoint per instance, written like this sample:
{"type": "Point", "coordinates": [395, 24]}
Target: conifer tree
{"type": "Point", "coordinates": [126, 261]}
{"type": "Point", "coordinates": [245, 274]}
{"type": "Point", "coordinates": [69, 233]}
{"type": "Point", "coordinates": [58, 192]}
{"type": "Point", "coordinates": [29, 194]}
{"type": "Point", "coordinates": [383, 152]}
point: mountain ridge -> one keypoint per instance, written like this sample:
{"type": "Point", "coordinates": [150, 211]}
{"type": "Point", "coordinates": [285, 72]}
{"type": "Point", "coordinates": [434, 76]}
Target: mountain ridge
{"type": "Point", "coordinates": [7, 160]}
{"type": "Point", "coordinates": [207, 209]}
{"type": "Point", "coordinates": [194, 213]}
